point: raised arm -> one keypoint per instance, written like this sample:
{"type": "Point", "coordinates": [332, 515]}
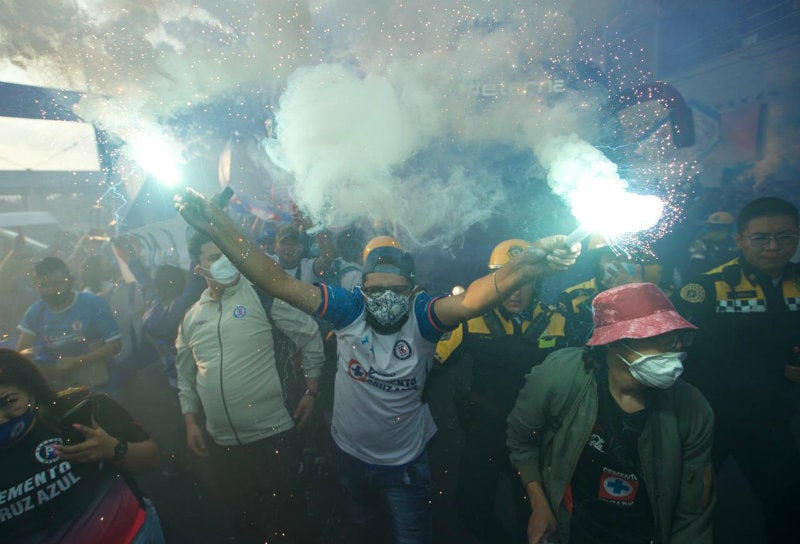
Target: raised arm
{"type": "Point", "coordinates": [545, 256]}
{"type": "Point", "coordinates": [206, 217]}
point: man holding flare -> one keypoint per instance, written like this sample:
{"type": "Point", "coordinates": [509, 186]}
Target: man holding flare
{"type": "Point", "coordinates": [387, 332]}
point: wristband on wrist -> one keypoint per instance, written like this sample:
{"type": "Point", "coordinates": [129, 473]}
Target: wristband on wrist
{"type": "Point", "coordinates": [313, 394]}
{"type": "Point", "coordinates": [120, 450]}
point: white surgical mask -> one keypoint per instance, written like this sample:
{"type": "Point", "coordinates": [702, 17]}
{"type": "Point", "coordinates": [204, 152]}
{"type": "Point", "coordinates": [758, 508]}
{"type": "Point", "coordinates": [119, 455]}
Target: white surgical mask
{"type": "Point", "coordinates": [223, 272]}
{"type": "Point", "coordinates": [659, 370]}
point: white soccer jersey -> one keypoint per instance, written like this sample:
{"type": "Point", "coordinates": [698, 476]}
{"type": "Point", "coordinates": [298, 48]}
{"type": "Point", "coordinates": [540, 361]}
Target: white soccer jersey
{"type": "Point", "coordinates": [378, 413]}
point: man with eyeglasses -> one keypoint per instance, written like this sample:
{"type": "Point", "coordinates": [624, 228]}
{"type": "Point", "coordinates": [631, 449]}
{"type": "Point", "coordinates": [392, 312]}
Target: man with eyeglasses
{"type": "Point", "coordinates": [745, 359]}
{"type": "Point", "coordinates": [72, 336]}
{"type": "Point", "coordinates": [386, 336]}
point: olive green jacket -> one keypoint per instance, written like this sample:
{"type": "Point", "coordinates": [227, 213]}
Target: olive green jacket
{"type": "Point", "coordinates": [554, 417]}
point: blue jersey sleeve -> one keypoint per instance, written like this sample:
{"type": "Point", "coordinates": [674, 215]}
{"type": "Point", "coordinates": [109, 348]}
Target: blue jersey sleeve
{"type": "Point", "coordinates": [31, 321]}
{"type": "Point", "coordinates": [103, 321]}
{"type": "Point", "coordinates": [339, 306]}
{"type": "Point", "coordinates": [429, 325]}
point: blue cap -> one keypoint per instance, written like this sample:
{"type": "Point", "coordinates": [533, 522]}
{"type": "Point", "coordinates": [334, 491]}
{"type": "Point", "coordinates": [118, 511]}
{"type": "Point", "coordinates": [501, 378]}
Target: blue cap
{"type": "Point", "coordinates": [390, 260]}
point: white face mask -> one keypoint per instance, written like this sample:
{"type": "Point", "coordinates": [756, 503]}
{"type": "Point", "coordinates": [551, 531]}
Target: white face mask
{"type": "Point", "coordinates": [223, 272]}
{"type": "Point", "coordinates": [659, 370]}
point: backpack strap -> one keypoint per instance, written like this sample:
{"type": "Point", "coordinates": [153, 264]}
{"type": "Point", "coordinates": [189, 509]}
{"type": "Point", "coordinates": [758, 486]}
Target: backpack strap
{"type": "Point", "coordinates": [538, 325]}
{"type": "Point", "coordinates": [292, 384]}
{"type": "Point", "coordinates": [493, 323]}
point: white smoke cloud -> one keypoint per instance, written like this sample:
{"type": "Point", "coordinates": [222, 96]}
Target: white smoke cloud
{"type": "Point", "coordinates": [367, 88]}
{"type": "Point", "coordinates": [336, 127]}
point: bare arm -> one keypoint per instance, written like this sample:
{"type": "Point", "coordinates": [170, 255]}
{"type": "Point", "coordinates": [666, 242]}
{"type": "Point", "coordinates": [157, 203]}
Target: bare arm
{"type": "Point", "coordinates": [206, 217]}
{"type": "Point", "coordinates": [104, 351]}
{"type": "Point", "coordinates": [99, 446]}
{"type": "Point", "coordinates": [141, 456]}
{"type": "Point", "coordinates": [546, 256]}
{"type": "Point", "coordinates": [542, 521]}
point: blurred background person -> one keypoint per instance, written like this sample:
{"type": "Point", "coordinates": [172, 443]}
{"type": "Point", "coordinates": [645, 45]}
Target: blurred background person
{"type": "Point", "coordinates": [266, 240]}
{"type": "Point", "coordinates": [169, 293]}
{"type": "Point", "coordinates": [72, 336]}
{"type": "Point", "coordinates": [292, 253]}
{"type": "Point", "coordinates": [714, 245]}
{"type": "Point", "coordinates": [101, 276]}
{"type": "Point", "coordinates": [345, 270]}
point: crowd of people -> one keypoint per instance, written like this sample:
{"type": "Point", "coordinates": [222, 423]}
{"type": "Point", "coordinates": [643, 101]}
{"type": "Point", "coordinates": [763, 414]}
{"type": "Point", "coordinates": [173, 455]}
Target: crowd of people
{"type": "Point", "coordinates": [579, 423]}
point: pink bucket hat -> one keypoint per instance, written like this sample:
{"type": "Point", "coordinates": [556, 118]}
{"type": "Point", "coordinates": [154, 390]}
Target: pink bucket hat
{"type": "Point", "coordinates": [634, 310]}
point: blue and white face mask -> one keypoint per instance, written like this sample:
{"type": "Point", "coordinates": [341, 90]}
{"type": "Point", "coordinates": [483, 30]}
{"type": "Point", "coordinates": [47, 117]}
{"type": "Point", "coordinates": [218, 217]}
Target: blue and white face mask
{"type": "Point", "coordinates": [16, 427]}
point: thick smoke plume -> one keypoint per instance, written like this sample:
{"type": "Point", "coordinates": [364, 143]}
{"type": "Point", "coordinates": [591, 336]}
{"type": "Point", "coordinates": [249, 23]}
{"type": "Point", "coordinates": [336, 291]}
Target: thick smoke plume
{"type": "Point", "coordinates": [383, 110]}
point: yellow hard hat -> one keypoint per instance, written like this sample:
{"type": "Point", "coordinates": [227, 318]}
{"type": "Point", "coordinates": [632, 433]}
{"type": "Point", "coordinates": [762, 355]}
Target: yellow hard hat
{"type": "Point", "coordinates": [720, 218]}
{"type": "Point", "coordinates": [503, 252]}
{"type": "Point", "coordinates": [379, 241]}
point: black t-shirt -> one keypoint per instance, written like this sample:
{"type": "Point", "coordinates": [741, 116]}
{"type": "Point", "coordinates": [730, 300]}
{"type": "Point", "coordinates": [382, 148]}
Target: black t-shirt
{"type": "Point", "coordinates": [39, 493]}
{"type": "Point", "coordinates": [610, 502]}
